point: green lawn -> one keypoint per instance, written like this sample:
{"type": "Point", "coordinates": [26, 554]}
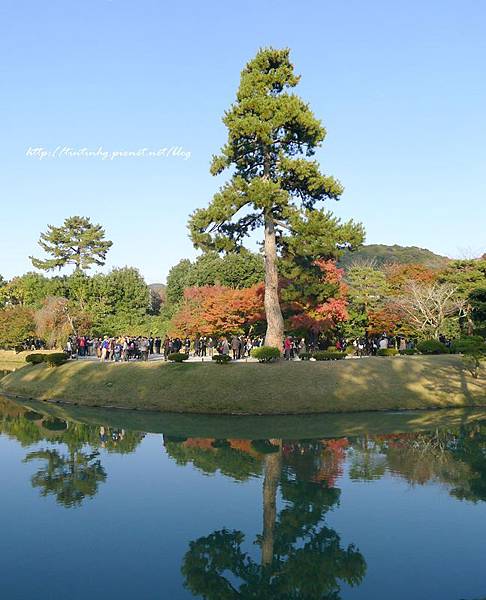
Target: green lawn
{"type": "Point", "coordinates": [399, 383]}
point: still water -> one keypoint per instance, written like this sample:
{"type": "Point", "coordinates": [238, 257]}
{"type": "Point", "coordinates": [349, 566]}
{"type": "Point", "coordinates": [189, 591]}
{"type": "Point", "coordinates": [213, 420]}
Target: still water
{"type": "Point", "coordinates": [129, 505]}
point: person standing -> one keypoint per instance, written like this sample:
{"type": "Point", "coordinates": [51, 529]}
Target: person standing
{"type": "Point", "coordinates": [118, 350]}
{"type": "Point", "coordinates": [166, 347]}
{"type": "Point", "coordinates": [125, 349]}
{"type": "Point", "coordinates": [144, 349]}
{"type": "Point", "coordinates": [225, 347]}
{"type": "Point", "coordinates": [287, 348]}
{"type": "Point", "coordinates": [105, 349]}
{"type": "Point", "coordinates": [235, 346]}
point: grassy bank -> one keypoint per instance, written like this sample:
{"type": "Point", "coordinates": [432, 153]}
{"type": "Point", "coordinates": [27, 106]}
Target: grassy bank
{"type": "Point", "coordinates": [404, 383]}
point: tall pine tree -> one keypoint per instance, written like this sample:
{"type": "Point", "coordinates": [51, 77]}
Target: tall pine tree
{"type": "Point", "coordinates": [272, 133]}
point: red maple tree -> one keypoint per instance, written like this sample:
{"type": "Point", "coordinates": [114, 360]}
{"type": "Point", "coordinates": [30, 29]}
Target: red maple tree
{"type": "Point", "coordinates": [318, 312]}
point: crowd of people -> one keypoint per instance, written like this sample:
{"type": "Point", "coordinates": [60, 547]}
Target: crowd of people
{"type": "Point", "coordinates": [127, 348]}
{"type": "Point", "coordinates": [32, 343]}
{"type": "Point", "coordinates": [369, 346]}
{"type": "Point", "coordinates": [118, 349]}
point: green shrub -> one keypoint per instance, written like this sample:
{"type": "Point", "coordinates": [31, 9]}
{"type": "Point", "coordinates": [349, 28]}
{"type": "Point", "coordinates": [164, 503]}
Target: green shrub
{"type": "Point", "coordinates": [387, 352]}
{"type": "Point", "coordinates": [35, 359]}
{"type": "Point", "coordinates": [432, 347]}
{"type": "Point", "coordinates": [266, 354]}
{"type": "Point", "coordinates": [408, 352]}
{"type": "Point", "coordinates": [222, 359]}
{"type": "Point", "coordinates": [178, 357]}
{"type": "Point", "coordinates": [325, 355]}
{"type": "Point", "coordinates": [473, 344]}
{"type": "Point", "coordinates": [305, 355]}
{"type": "Point", "coordinates": [350, 350]}
{"type": "Point", "coordinates": [55, 359]}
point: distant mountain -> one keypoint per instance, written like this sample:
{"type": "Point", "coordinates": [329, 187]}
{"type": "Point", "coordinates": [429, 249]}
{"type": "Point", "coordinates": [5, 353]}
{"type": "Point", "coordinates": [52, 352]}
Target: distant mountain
{"type": "Point", "coordinates": [159, 290]}
{"type": "Point", "coordinates": [382, 254]}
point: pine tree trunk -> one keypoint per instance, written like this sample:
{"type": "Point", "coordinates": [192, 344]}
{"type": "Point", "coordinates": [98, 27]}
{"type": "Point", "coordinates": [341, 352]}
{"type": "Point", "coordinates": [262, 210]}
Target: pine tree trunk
{"type": "Point", "coordinates": [273, 468]}
{"type": "Point", "coordinates": [275, 324]}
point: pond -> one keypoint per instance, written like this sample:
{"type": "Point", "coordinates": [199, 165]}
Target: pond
{"type": "Point", "coordinates": [133, 505]}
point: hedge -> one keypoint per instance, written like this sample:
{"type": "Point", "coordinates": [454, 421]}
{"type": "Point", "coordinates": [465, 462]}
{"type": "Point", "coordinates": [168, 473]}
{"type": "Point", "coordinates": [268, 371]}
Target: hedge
{"type": "Point", "coordinates": [35, 359]}
{"type": "Point", "coordinates": [387, 352]}
{"type": "Point", "coordinates": [222, 359]}
{"type": "Point", "coordinates": [325, 355]}
{"type": "Point", "coordinates": [177, 357]}
{"type": "Point", "coordinates": [55, 359]}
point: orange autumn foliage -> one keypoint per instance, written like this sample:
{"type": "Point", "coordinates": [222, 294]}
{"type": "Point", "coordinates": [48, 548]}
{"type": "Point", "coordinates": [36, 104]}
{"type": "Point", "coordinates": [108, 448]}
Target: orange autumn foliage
{"type": "Point", "coordinates": [217, 309]}
{"type": "Point", "coordinates": [398, 275]}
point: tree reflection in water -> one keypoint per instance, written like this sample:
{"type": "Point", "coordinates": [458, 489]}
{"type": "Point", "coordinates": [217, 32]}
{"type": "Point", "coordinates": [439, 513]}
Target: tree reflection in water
{"type": "Point", "coordinates": [301, 557]}
{"type": "Point", "coordinates": [70, 478]}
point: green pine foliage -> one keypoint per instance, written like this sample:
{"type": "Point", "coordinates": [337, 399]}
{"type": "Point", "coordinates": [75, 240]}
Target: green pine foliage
{"type": "Point", "coordinates": [274, 183]}
{"type": "Point", "coordinates": [76, 242]}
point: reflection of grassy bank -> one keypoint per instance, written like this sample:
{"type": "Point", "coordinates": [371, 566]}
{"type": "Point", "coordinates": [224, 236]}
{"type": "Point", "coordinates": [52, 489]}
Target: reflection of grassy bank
{"type": "Point", "coordinates": [407, 383]}
{"type": "Point", "coordinates": [260, 427]}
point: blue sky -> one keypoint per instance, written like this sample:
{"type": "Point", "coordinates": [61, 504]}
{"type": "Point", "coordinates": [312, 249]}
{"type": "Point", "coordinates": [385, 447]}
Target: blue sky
{"type": "Point", "coordinates": [400, 88]}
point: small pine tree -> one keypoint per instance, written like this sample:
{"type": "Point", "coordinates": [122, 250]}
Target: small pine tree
{"type": "Point", "coordinates": [77, 242]}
